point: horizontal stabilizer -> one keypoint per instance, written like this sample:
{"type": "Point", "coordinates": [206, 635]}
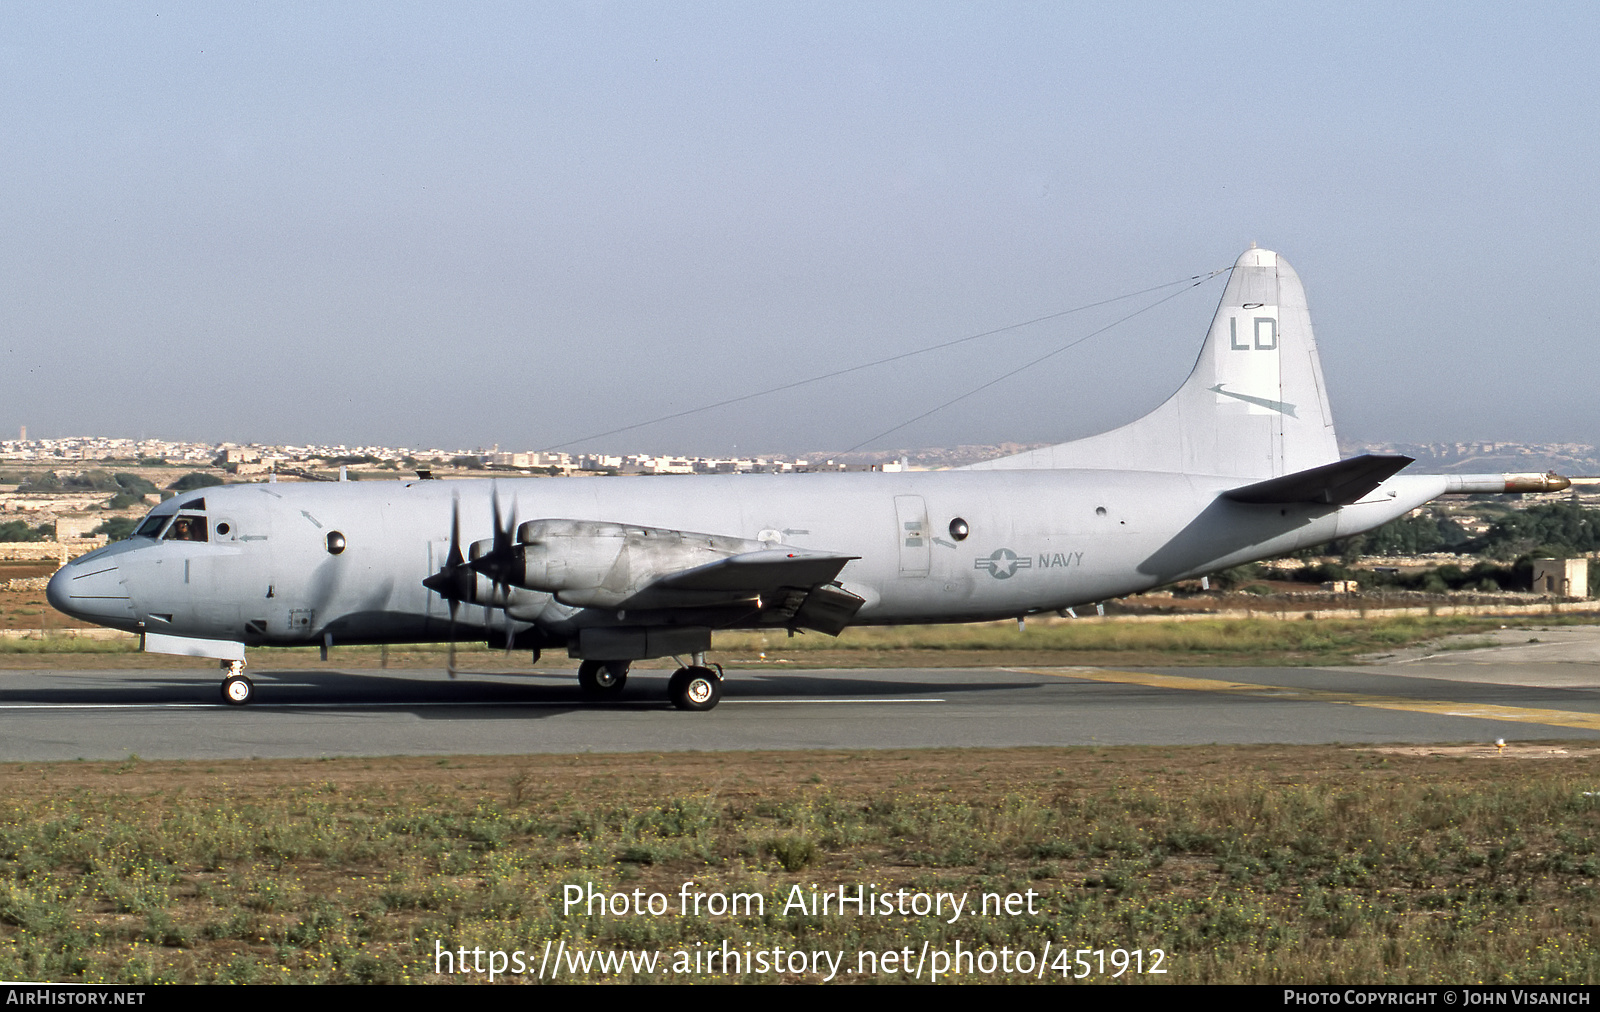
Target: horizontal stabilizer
{"type": "Point", "coordinates": [1338, 484]}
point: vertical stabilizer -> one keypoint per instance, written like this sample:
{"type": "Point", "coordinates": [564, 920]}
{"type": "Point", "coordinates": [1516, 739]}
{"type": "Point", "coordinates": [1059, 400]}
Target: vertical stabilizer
{"type": "Point", "coordinates": [1254, 406]}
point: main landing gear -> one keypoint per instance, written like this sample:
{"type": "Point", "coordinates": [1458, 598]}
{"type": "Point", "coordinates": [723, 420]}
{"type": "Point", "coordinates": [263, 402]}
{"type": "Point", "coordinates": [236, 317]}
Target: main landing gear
{"type": "Point", "coordinates": [237, 690]}
{"type": "Point", "coordinates": [603, 679]}
{"type": "Point", "coordinates": [697, 686]}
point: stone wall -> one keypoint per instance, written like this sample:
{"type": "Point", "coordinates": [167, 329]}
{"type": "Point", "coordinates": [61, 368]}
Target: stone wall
{"type": "Point", "coordinates": [33, 551]}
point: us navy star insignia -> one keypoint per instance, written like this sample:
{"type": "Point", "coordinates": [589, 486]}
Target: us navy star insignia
{"type": "Point", "coordinates": [1002, 563]}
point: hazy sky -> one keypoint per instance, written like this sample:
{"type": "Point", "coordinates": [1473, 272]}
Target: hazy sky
{"type": "Point", "coordinates": [462, 225]}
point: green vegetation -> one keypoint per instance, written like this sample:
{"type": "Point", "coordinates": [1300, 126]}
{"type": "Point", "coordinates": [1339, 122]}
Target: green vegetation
{"type": "Point", "coordinates": [19, 530]}
{"type": "Point", "coordinates": [87, 481]}
{"type": "Point", "coordinates": [1482, 577]}
{"type": "Point", "coordinates": [1505, 551]}
{"type": "Point", "coordinates": [117, 528]}
{"type": "Point", "coordinates": [1556, 529]}
{"type": "Point", "coordinates": [1414, 536]}
{"type": "Point", "coordinates": [130, 489]}
{"type": "Point", "coordinates": [1245, 865]}
{"type": "Point", "coordinates": [136, 484]}
{"type": "Point", "coordinates": [134, 489]}
{"type": "Point", "coordinates": [194, 480]}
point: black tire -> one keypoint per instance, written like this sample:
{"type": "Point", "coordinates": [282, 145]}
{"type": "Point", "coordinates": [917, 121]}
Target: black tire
{"type": "Point", "coordinates": [603, 679]}
{"type": "Point", "coordinates": [237, 690]}
{"type": "Point", "coordinates": [697, 689]}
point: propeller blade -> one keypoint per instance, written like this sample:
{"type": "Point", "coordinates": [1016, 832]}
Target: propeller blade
{"type": "Point", "coordinates": [495, 558]}
{"type": "Point", "coordinates": [504, 548]}
{"type": "Point", "coordinates": [447, 581]}
{"type": "Point", "coordinates": [455, 529]}
{"type": "Point", "coordinates": [454, 581]}
{"type": "Point", "coordinates": [450, 661]}
{"type": "Point", "coordinates": [502, 542]}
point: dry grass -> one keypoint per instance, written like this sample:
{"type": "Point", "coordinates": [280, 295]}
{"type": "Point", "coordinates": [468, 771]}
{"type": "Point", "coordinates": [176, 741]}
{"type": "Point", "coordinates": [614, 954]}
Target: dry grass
{"type": "Point", "coordinates": [1245, 864]}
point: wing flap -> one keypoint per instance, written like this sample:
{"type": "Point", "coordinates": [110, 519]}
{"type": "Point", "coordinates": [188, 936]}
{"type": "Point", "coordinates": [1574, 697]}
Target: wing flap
{"type": "Point", "coordinates": [828, 609]}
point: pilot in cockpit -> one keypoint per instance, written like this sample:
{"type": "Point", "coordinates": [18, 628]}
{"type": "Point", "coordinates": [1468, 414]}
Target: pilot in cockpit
{"type": "Point", "coordinates": [187, 529]}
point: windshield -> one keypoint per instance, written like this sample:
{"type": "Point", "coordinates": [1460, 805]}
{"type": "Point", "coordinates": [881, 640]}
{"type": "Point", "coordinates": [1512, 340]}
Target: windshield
{"type": "Point", "coordinates": [152, 525]}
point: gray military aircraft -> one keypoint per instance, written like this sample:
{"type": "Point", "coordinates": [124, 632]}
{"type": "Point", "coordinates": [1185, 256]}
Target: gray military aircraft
{"type": "Point", "coordinates": [1240, 464]}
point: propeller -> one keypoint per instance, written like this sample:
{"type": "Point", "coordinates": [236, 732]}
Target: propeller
{"type": "Point", "coordinates": [455, 581]}
{"type": "Point", "coordinates": [497, 561]}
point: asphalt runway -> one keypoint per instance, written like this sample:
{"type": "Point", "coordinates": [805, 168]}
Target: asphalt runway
{"type": "Point", "coordinates": [1516, 690]}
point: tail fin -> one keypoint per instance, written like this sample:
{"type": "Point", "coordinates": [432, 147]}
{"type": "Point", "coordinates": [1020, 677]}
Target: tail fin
{"type": "Point", "coordinates": [1254, 406]}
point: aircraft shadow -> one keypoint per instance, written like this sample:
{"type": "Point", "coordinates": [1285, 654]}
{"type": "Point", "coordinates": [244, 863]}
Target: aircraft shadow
{"type": "Point", "coordinates": [432, 695]}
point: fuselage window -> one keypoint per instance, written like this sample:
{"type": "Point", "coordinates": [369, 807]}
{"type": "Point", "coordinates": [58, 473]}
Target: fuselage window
{"type": "Point", "coordinates": [151, 527]}
{"type": "Point", "coordinates": [187, 529]}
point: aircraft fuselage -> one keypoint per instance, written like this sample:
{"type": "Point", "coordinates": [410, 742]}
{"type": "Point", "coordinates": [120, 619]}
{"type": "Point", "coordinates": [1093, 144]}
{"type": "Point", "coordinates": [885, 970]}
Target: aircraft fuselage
{"type": "Point", "coordinates": [947, 546]}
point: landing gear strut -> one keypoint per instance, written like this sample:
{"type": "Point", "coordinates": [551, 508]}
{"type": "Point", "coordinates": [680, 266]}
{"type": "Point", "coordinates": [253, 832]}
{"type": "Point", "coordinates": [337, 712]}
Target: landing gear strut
{"type": "Point", "coordinates": [237, 690]}
{"type": "Point", "coordinates": [603, 679]}
{"type": "Point", "coordinates": [695, 688]}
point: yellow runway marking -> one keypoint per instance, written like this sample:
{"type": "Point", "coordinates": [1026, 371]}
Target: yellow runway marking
{"type": "Point", "coordinates": [1440, 708]}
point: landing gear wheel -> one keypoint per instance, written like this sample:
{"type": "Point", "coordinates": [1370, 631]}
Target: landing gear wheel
{"type": "Point", "coordinates": [603, 678]}
{"type": "Point", "coordinates": [695, 688]}
{"type": "Point", "coordinates": [237, 690]}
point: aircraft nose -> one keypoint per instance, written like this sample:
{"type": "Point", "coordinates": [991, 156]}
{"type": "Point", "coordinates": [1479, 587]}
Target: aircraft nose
{"type": "Point", "coordinates": [91, 591]}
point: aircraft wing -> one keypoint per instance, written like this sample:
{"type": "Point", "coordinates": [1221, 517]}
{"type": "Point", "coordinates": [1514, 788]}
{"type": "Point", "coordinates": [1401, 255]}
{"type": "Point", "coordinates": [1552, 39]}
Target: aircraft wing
{"type": "Point", "coordinates": [649, 570]}
{"type": "Point", "coordinates": [764, 570]}
{"type": "Point", "coordinates": [793, 587]}
{"type": "Point", "coordinates": [1338, 484]}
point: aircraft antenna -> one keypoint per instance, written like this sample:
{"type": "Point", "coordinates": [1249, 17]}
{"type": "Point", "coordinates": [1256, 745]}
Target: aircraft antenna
{"type": "Point", "coordinates": [1047, 355]}
{"type": "Point", "coordinates": [1191, 281]}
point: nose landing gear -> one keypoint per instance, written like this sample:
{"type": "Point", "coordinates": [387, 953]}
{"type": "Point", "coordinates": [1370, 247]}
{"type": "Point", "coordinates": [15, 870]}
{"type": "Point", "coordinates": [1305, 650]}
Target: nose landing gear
{"type": "Point", "coordinates": [237, 690]}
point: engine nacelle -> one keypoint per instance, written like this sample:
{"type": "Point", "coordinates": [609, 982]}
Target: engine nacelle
{"type": "Point", "coordinates": [591, 563]}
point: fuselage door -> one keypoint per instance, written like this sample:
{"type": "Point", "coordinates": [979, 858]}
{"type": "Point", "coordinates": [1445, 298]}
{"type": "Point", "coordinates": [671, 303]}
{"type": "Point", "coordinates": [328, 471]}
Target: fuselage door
{"type": "Point", "coordinates": [911, 532]}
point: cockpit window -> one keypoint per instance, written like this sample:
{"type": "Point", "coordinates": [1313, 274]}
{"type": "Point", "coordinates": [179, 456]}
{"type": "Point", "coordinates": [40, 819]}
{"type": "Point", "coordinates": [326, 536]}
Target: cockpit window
{"type": "Point", "coordinates": [152, 525]}
{"type": "Point", "coordinates": [193, 504]}
{"type": "Point", "coordinates": [187, 528]}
